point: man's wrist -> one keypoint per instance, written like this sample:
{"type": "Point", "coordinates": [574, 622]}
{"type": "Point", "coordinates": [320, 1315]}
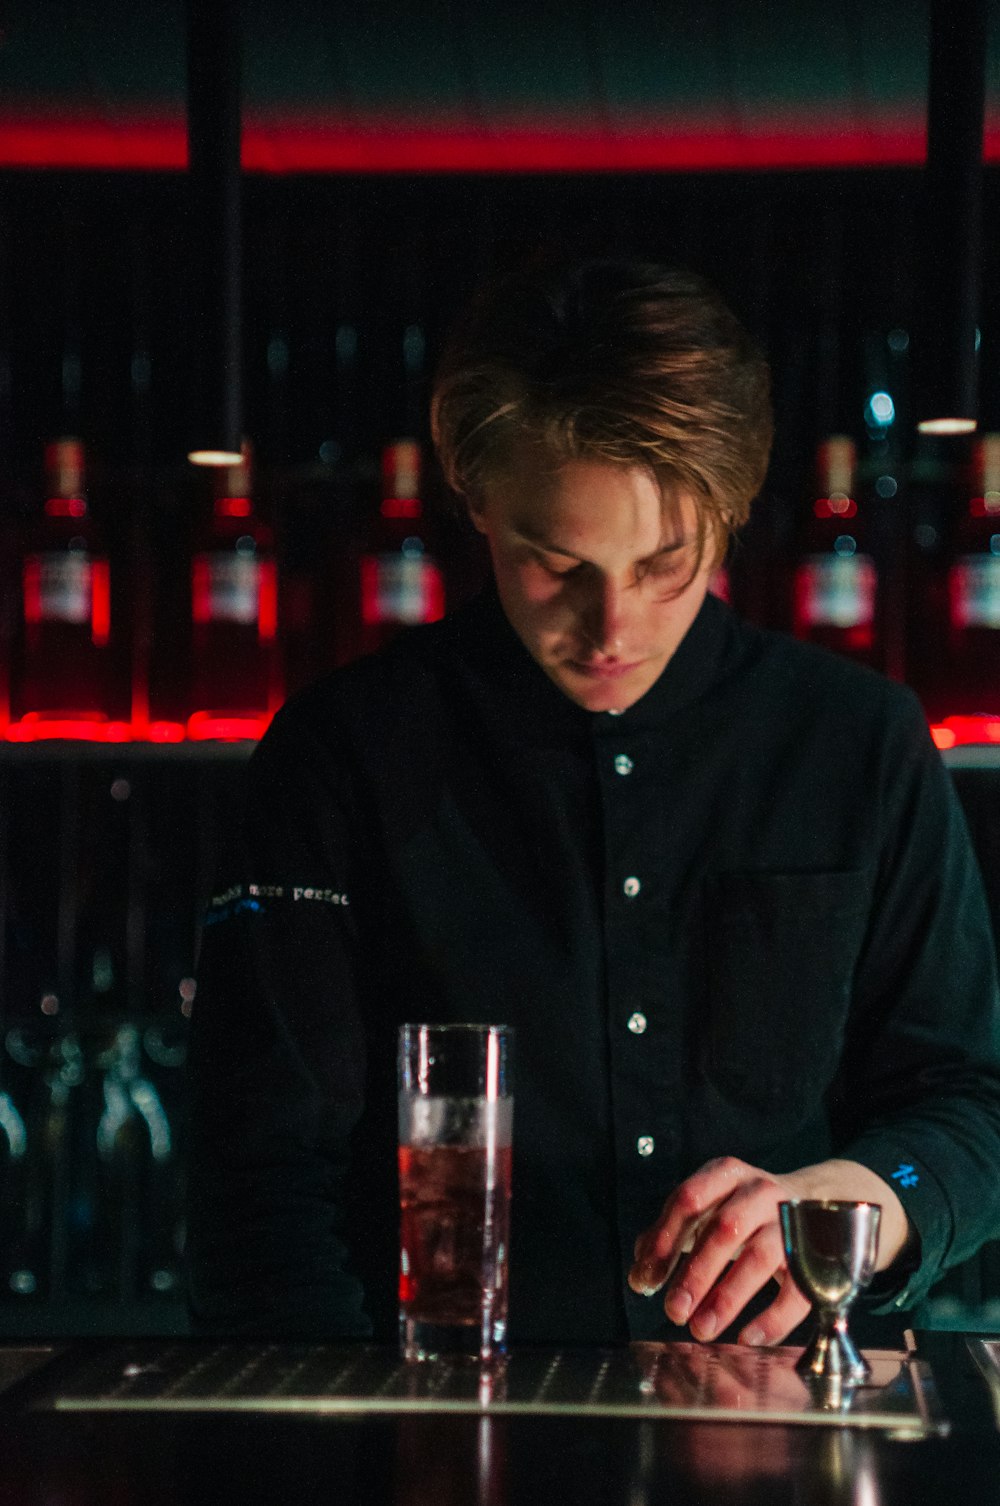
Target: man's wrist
{"type": "Point", "coordinates": [851, 1180]}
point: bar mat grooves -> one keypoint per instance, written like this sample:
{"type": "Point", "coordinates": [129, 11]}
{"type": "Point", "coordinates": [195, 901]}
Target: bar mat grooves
{"type": "Point", "coordinates": [718, 1382]}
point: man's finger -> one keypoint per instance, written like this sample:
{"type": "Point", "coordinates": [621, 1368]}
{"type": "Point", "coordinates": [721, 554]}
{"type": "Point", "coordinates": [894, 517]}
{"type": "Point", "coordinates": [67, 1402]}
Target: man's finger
{"type": "Point", "coordinates": [647, 1277]}
{"type": "Point", "coordinates": [721, 1303]}
{"type": "Point", "coordinates": [731, 1253]}
{"type": "Point", "coordinates": [776, 1322]}
{"type": "Point", "coordinates": [660, 1247]}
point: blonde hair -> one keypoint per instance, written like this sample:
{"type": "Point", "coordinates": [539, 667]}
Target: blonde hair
{"type": "Point", "coordinates": [615, 360]}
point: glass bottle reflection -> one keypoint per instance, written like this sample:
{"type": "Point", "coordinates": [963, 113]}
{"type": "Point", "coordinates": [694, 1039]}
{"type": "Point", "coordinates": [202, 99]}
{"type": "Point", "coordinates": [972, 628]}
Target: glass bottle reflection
{"type": "Point", "coordinates": [129, 1137]}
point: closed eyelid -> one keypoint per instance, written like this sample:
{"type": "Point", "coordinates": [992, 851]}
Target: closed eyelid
{"type": "Point", "coordinates": [668, 560]}
{"type": "Point", "coordinates": [540, 547]}
{"type": "Point", "coordinates": [672, 557]}
{"type": "Point", "coordinates": [666, 553]}
{"type": "Point", "coordinates": [556, 563]}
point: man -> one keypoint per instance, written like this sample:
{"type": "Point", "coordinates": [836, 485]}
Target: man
{"type": "Point", "coordinates": [717, 880]}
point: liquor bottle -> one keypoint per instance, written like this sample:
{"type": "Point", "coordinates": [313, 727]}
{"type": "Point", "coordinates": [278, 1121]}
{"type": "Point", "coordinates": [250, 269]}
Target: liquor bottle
{"type": "Point", "coordinates": [63, 687]}
{"type": "Point", "coordinates": [401, 582]}
{"type": "Point", "coordinates": [973, 660]}
{"type": "Point", "coordinates": [318, 606]}
{"type": "Point", "coordinates": [235, 684]}
{"type": "Point", "coordinates": [835, 581]}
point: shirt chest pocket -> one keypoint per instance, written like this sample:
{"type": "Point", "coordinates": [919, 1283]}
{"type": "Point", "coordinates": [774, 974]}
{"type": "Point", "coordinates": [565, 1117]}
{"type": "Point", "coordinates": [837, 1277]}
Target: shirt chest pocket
{"type": "Point", "coordinates": [781, 950]}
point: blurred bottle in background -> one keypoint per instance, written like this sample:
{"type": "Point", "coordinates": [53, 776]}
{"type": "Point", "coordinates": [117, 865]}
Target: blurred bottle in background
{"type": "Point", "coordinates": [401, 581]}
{"type": "Point", "coordinates": [973, 668]}
{"type": "Point", "coordinates": [835, 584]}
{"type": "Point", "coordinates": [235, 670]}
{"type": "Point", "coordinates": [64, 683]}
{"type": "Point", "coordinates": [316, 524]}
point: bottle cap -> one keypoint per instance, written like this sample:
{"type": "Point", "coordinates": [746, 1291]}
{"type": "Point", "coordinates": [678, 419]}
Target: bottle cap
{"type": "Point", "coordinates": [401, 468]}
{"type": "Point", "coordinates": [836, 460]}
{"type": "Point", "coordinates": [986, 461]}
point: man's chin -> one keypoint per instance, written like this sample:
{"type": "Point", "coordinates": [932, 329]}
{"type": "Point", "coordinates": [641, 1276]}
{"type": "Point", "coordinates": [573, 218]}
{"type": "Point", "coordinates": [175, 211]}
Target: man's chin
{"type": "Point", "coordinates": [596, 692]}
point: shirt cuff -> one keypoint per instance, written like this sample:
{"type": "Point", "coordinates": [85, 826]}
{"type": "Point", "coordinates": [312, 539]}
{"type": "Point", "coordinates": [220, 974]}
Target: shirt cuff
{"type": "Point", "coordinates": [928, 1209]}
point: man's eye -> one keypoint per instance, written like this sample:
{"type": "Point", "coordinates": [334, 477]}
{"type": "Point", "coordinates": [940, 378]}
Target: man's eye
{"type": "Point", "coordinates": [668, 566]}
{"type": "Point", "coordinates": [559, 571]}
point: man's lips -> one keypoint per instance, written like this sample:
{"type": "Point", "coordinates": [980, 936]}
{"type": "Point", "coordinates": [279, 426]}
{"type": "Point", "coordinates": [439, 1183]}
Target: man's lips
{"type": "Point", "coordinates": [612, 669]}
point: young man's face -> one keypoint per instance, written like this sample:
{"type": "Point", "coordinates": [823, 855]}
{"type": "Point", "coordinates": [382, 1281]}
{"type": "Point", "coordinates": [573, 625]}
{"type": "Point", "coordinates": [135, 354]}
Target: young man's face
{"type": "Point", "coordinates": [588, 559]}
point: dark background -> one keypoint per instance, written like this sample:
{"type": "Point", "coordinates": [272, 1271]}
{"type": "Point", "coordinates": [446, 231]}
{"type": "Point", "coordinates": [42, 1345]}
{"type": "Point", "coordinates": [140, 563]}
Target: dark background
{"type": "Point", "coordinates": [810, 221]}
{"type": "Point", "coordinates": [94, 336]}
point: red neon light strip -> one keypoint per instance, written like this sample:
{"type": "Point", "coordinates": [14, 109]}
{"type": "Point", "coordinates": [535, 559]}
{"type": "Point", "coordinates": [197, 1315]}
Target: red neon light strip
{"type": "Point", "coordinates": [209, 726]}
{"type": "Point", "coordinates": [91, 727]}
{"type": "Point", "coordinates": [165, 732]}
{"type": "Point", "coordinates": [302, 144]}
{"type": "Point", "coordinates": [206, 726]}
{"type": "Point", "coordinates": [965, 731]}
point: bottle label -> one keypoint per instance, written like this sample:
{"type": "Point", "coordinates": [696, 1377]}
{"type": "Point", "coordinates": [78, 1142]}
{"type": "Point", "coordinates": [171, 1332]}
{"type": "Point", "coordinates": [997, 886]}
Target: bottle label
{"type": "Point", "coordinates": [397, 588]}
{"type": "Point", "coordinates": [836, 590]}
{"type": "Point", "coordinates": [974, 589]}
{"type": "Point", "coordinates": [58, 587]}
{"type": "Point", "coordinates": [226, 588]}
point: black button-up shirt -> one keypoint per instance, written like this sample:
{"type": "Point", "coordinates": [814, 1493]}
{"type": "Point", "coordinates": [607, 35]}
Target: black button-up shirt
{"type": "Point", "coordinates": [741, 917]}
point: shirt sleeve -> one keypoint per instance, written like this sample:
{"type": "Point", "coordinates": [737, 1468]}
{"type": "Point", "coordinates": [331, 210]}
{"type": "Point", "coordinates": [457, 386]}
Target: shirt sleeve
{"type": "Point", "coordinates": [918, 1096]}
{"type": "Point", "coordinates": [277, 1060]}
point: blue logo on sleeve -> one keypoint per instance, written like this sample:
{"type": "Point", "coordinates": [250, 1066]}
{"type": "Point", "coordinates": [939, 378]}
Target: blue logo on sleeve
{"type": "Point", "coordinates": [233, 908]}
{"type": "Point", "coordinates": [905, 1175]}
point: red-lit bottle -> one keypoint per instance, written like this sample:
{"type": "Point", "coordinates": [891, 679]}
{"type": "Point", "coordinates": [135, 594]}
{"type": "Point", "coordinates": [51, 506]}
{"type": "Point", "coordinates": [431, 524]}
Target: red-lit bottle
{"type": "Point", "coordinates": [836, 581]}
{"type": "Point", "coordinates": [973, 669]}
{"type": "Point", "coordinates": [401, 582]}
{"type": "Point", "coordinates": [64, 683]}
{"type": "Point", "coordinates": [235, 684]}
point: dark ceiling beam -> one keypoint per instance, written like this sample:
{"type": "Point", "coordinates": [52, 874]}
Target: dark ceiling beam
{"type": "Point", "coordinates": [945, 353]}
{"type": "Point", "coordinates": [214, 241]}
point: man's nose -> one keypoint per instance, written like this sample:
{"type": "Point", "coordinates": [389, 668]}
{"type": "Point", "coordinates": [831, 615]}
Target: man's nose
{"type": "Point", "coordinates": [605, 616]}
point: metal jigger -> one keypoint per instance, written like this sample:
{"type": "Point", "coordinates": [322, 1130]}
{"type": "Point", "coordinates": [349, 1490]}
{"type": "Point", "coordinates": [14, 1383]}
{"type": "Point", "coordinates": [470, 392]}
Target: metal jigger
{"type": "Point", "coordinates": [831, 1249]}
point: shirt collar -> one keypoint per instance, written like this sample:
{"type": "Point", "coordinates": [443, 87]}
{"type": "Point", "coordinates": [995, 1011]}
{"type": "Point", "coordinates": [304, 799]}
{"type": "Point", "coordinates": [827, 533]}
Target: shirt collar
{"type": "Point", "coordinates": [695, 665]}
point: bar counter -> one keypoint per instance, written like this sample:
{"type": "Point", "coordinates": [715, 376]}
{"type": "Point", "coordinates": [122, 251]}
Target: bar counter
{"type": "Point", "coordinates": [173, 1423]}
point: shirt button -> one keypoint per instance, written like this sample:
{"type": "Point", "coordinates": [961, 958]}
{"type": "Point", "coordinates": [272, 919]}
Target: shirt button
{"type": "Point", "coordinates": [631, 887]}
{"type": "Point", "coordinates": [637, 1023]}
{"type": "Point", "coordinates": [645, 1145]}
{"type": "Point", "coordinates": [623, 764]}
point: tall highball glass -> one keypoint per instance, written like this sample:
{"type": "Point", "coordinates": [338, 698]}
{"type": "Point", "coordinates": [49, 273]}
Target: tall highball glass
{"type": "Point", "coordinates": [456, 1110]}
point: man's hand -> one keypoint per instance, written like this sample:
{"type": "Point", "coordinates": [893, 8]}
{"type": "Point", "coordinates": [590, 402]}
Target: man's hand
{"type": "Point", "coordinates": [726, 1216]}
